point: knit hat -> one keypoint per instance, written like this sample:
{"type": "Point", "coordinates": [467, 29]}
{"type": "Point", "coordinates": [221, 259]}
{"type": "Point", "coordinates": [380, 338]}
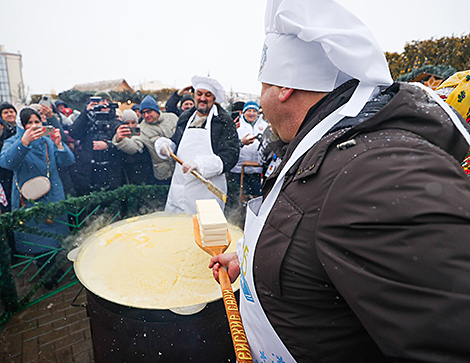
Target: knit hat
{"type": "Point", "coordinates": [211, 85]}
{"type": "Point", "coordinates": [251, 104]}
{"type": "Point", "coordinates": [316, 45]}
{"type": "Point", "coordinates": [129, 115]}
{"type": "Point", "coordinates": [103, 94]}
{"type": "Point", "coordinates": [5, 106]}
{"type": "Point", "coordinates": [35, 106]}
{"type": "Point", "coordinates": [60, 102]}
{"type": "Point", "coordinates": [185, 98]}
{"type": "Point", "coordinates": [135, 107]}
{"type": "Point", "coordinates": [149, 103]}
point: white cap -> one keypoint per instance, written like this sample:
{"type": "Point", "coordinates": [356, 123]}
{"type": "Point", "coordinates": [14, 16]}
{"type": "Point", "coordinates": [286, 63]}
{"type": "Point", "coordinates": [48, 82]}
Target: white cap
{"type": "Point", "coordinates": [210, 84]}
{"type": "Point", "coordinates": [316, 45]}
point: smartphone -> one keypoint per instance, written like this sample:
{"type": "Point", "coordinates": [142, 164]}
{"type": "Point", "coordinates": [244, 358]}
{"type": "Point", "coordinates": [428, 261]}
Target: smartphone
{"type": "Point", "coordinates": [48, 130]}
{"type": "Point", "coordinates": [135, 131]}
{"type": "Point", "coordinates": [45, 100]}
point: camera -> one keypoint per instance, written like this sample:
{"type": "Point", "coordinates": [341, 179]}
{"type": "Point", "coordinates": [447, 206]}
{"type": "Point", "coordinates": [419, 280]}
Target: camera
{"type": "Point", "coordinates": [101, 118]}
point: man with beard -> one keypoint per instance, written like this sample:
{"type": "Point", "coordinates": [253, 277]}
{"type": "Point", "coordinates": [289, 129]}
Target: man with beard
{"type": "Point", "coordinates": [206, 140]}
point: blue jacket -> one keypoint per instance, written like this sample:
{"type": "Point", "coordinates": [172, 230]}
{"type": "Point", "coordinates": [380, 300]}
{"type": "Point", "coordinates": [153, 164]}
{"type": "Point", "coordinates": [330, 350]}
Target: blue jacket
{"type": "Point", "coordinates": [28, 162]}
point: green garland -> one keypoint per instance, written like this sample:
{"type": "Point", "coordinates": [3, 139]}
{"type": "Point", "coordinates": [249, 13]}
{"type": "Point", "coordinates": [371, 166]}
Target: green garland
{"type": "Point", "coordinates": [126, 201]}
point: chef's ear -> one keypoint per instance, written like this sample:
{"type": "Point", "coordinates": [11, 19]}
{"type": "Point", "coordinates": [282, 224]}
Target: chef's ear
{"type": "Point", "coordinates": [285, 93]}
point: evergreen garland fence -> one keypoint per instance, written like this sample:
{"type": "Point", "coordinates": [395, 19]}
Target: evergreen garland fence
{"type": "Point", "coordinates": [101, 207]}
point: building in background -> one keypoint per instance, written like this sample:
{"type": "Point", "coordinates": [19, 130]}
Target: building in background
{"type": "Point", "coordinates": [11, 78]}
{"type": "Point", "coordinates": [117, 85]}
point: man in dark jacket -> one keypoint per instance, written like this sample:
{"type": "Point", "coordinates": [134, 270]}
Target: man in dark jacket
{"type": "Point", "coordinates": [97, 160]}
{"type": "Point", "coordinates": [7, 130]}
{"type": "Point", "coordinates": [183, 97]}
{"type": "Point", "coordinates": [359, 251]}
{"type": "Point", "coordinates": [206, 140]}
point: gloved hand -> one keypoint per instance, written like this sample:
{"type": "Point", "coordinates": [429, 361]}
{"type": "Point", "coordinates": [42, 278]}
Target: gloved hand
{"type": "Point", "coordinates": [166, 149]}
{"type": "Point", "coordinates": [189, 166]}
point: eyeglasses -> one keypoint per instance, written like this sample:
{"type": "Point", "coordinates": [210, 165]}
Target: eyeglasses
{"type": "Point", "coordinates": [146, 111]}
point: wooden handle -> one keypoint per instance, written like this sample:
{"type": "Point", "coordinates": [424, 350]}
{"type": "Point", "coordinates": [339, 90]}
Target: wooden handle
{"type": "Point", "coordinates": [240, 343]}
{"type": "Point", "coordinates": [211, 186]}
{"type": "Point", "coordinates": [176, 158]}
{"type": "Point", "coordinates": [194, 172]}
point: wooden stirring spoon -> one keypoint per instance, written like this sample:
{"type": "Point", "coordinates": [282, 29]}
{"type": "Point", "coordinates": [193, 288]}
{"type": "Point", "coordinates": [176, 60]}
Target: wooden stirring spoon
{"type": "Point", "coordinates": [240, 343]}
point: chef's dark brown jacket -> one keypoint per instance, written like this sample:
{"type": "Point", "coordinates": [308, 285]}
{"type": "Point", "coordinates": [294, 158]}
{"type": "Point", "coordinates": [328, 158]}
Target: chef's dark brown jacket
{"type": "Point", "coordinates": [365, 256]}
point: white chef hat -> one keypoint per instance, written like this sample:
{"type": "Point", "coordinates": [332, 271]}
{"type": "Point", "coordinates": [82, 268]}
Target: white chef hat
{"type": "Point", "coordinates": [317, 45]}
{"type": "Point", "coordinates": [210, 84]}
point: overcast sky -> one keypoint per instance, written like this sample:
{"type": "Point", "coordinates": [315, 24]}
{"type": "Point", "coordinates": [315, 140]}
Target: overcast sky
{"type": "Point", "coordinates": [64, 42]}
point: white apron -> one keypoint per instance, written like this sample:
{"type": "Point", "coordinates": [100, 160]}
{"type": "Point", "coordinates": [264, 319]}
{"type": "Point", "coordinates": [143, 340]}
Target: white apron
{"type": "Point", "coordinates": [185, 189]}
{"type": "Point", "coordinates": [265, 344]}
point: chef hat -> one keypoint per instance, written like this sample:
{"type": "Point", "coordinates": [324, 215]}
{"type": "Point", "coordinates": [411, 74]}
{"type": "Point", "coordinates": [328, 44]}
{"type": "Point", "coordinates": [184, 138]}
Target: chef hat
{"type": "Point", "coordinates": [210, 84]}
{"type": "Point", "coordinates": [316, 45]}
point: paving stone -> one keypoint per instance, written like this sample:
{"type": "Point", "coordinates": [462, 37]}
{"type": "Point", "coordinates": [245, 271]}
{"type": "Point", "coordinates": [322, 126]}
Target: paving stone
{"type": "Point", "coordinates": [53, 317]}
{"type": "Point", "coordinates": [36, 314]}
{"type": "Point", "coordinates": [51, 336]}
{"type": "Point", "coordinates": [51, 331]}
{"type": "Point", "coordinates": [30, 351]}
{"type": "Point", "coordinates": [47, 356]}
{"type": "Point", "coordinates": [81, 347]}
{"type": "Point", "coordinates": [65, 342]}
{"type": "Point", "coordinates": [35, 333]}
{"type": "Point", "coordinates": [79, 326]}
{"type": "Point", "coordinates": [64, 355]}
{"type": "Point", "coordinates": [10, 347]}
{"type": "Point", "coordinates": [85, 357]}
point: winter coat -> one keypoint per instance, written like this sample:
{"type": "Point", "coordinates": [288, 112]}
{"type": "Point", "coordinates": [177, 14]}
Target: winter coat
{"type": "Point", "coordinates": [28, 162]}
{"type": "Point", "coordinates": [172, 104]}
{"type": "Point", "coordinates": [224, 137]}
{"type": "Point", "coordinates": [149, 133]}
{"type": "Point", "coordinates": [249, 152]}
{"type": "Point", "coordinates": [95, 169]}
{"type": "Point", "coordinates": [365, 256]}
{"type": "Point", "coordinates": [86, 131]}
{"type": "Point", "coordinates": [6, 176]}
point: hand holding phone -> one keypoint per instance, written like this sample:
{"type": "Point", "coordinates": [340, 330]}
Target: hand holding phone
{"type": "Point", "coordinates": [45, 100]}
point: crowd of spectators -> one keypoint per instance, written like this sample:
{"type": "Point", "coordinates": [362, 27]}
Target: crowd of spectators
{"type": "Point", "coordinates": [102, 148]}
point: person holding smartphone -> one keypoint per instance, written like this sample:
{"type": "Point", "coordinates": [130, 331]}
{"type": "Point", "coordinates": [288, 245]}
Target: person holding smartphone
{"type": "Point", "coordinates": [137, 163]}
{"type": "Point", "coordinates": [31, 154]}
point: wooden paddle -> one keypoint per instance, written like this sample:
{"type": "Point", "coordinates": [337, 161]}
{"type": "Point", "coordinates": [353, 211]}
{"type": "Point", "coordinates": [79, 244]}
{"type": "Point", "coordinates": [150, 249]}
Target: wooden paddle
{"type": "Point", "coordinates": [208, 183]}
{"type": "Point", "coordinates": [240, 343]}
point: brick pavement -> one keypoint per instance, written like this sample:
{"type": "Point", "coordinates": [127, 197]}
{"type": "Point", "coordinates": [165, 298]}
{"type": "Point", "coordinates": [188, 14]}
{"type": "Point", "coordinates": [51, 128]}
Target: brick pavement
{"type": "Point", "coordinates": [49, 331]}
